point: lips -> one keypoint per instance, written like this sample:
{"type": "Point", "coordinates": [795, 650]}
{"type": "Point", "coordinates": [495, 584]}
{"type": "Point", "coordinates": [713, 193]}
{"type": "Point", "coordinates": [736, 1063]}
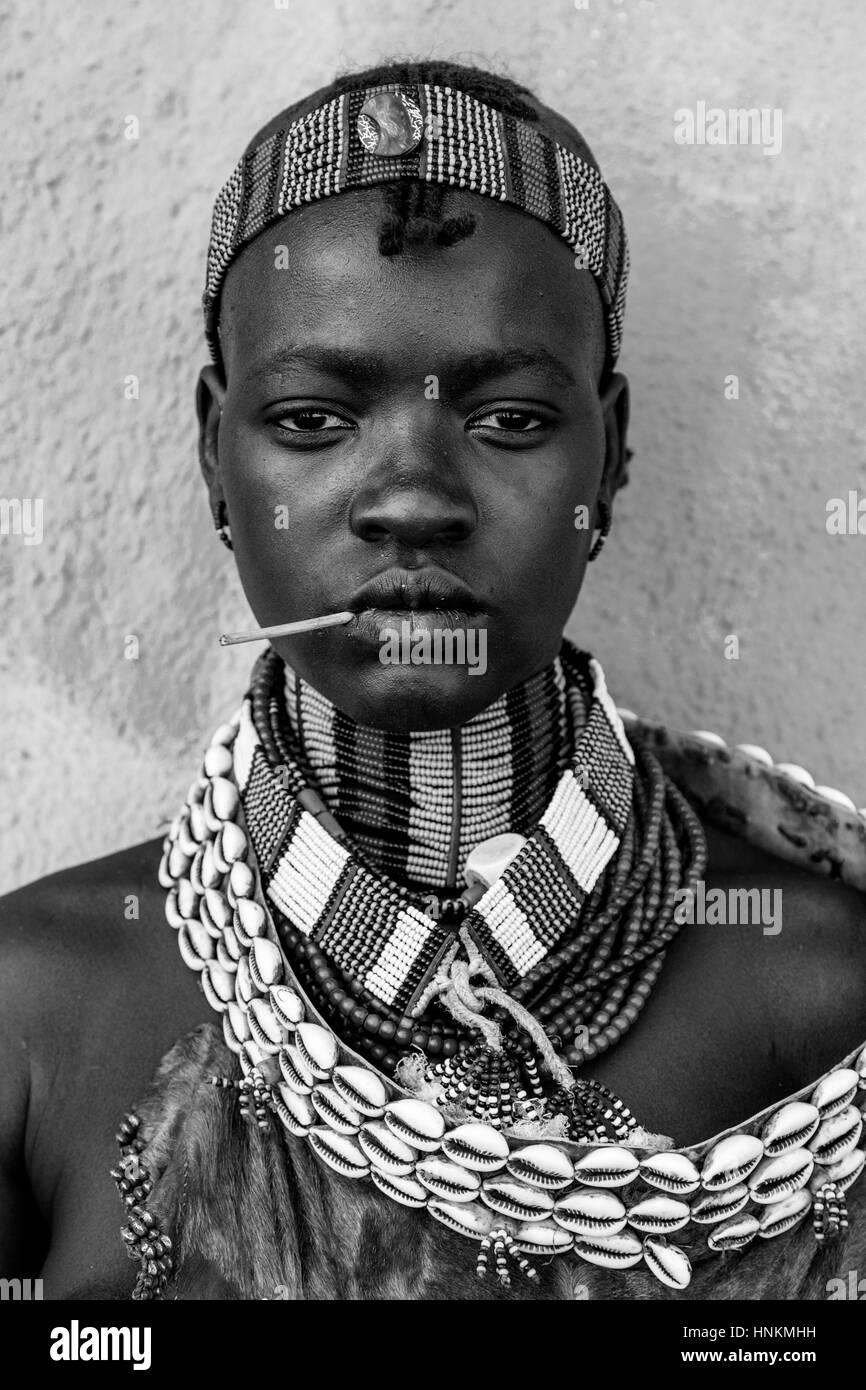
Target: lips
{"type": "Point", "coordinates": [425, 599]}
{"type": "Point", "coordinates": [420, 590]}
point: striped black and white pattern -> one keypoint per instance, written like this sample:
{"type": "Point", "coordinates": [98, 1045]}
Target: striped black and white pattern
{"type": "Point", "coordinates": [384, 941]}
{"type": "Point", "coordinates": [467, 144]}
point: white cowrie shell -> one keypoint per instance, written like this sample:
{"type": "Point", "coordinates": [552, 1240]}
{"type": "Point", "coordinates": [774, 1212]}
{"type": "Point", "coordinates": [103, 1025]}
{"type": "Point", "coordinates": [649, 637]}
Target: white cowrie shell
{"type": "Point", "coordinates": [734, 1235]}
{"type": "Point", "coordinates": [472, 1220]}
{"type": "Point", "coordinates": [752, 750]}
{"type": "Point", "coordinates": [607, 1166]}
{"type": "Point", "coordinates": [317, 1048]}
{"type": "Point", "coordinates": [790, 1128]}
{"type": "Point", "coordinates": [242, 880]}
{"type": "Point", "coordinates": [405, 1190]}
{"type": "Point", "coordinates": [340, 1151]}
{"type": "Point", "coordinates": [225, 734]}
{"type": "Point", "coordinates": [730, 1161]}
{"type": "Point", "coordinates": [295, 1111]}
{"type": "Point", "coordinates": [776, 1178]}
{"type": "Point", "coordinates": [173, 914]}
{"type": "Point", "coordinates": [198, 823]}
{"type": "Point", "coordinates": [217, 985]}
{"type": "Point", "coordinates": [449, 1182]}
{"type": "Point", "coordinates": [671, 1172]}
{"type": "Point", "coordinates": [244, 987]}
{"type": "Point", "coordinates": [780, 1217]}
{"type": "Point", "coordinates": [217, 761]}
{"type": "Point", "coordinates": [225, 799]}
{"type": "Point", "coordinates": [231, 843]}
{"type": "Point", "coordinates": [384, 1150]}
{"type": "Point", "coordinates": [541, 1165]}
{"type": "Point", "coordinates": [336, 1113]}
{"type": "Point", "coordinates": [416, 1122]}
{"type": "Point", "coordinates": [837, 1135]}
{"type": "Point", "coordinates": [797, 774]}
{"type": "Point", "coordinates": [264, 1026]}
{"type": "Point", "coordinates": [266, 963]}
{"type": "Point", "coordinates": [706, 736]}
{"type": "Point", "coordinates": [610, 1252]}
{"type": "Point", "coordinates": [590, 1212]}
{"type": "Point", "coordinates": [238, 1020]}
{"type": "Point", "coordinates": [178, 863]}
{"type": "Point", "coordinates": [362, 1089]}
{"type": "Point", "coordinates": [669, 1263]}
{"type": "Point", "coordinates": [476, 1146]}
{"type": "Point", "coordinates": [839, 798]}
{"type": "Point", "coordinates": [833, 1092]}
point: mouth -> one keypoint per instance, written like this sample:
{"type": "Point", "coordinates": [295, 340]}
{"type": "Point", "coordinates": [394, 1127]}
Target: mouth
{"type": "Point", "coordinates": [426, 599]}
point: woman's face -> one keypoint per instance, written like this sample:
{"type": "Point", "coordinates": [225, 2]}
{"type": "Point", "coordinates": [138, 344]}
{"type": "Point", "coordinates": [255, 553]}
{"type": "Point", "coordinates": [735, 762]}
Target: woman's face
{"type": "Point", "coordinates": [428, 421]}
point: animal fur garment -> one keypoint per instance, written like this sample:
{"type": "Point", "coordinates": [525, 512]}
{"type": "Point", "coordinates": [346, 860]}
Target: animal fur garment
{"type": "Point", "coordinates": [254, 1214]}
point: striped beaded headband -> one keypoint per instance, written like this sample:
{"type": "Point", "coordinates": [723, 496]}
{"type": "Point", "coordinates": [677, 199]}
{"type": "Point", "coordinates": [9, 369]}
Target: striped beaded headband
{"type": "Point", "coordinates": [390, 131]}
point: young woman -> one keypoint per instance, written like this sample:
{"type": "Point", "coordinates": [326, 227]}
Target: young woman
{"type": "Point", "coordinates": [487, 980]}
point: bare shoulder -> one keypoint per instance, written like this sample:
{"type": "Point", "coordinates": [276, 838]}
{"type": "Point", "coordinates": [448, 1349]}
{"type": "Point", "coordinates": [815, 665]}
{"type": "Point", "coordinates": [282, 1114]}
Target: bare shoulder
{"type": "Point", "coordinates": [88, 963]}
{"type": "Point", "coordinates": [801, 937]}
{"type": "Point", "coordinates": [82, 927]}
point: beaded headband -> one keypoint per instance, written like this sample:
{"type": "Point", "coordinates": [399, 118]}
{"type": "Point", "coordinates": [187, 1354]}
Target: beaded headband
{"type": "Point", "coordinates": [386, 132]}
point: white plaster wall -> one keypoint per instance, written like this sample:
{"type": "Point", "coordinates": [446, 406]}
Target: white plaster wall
{"type": "Point", "coordinates": [742, 263]}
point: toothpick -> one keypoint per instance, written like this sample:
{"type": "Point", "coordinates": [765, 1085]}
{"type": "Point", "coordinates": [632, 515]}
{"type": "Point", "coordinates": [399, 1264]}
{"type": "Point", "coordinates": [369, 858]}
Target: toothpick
{"type": "Point", "coordinates": [229, 639]}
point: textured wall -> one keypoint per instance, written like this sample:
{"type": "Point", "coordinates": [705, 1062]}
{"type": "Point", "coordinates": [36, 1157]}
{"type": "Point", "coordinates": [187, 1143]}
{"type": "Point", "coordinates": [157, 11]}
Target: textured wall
{"type": "Point", "coordinates": [742, 263]}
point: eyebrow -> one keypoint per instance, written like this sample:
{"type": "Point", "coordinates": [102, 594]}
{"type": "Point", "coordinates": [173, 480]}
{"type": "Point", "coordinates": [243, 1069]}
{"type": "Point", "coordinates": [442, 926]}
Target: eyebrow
{"type": "Point", "coordinates": [466, 373]}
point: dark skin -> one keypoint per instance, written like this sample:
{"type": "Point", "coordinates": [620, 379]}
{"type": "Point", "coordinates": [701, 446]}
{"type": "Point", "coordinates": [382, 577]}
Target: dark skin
{"type": "Point", "coordinates": [91, 1000]}
{"type": "Point", "coordinates": [481, 483]}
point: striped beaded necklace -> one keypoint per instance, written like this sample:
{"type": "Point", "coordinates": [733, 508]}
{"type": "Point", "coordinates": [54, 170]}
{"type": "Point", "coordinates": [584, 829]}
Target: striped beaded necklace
{"type": "Point", "coordinates": [575, 927]}
{"type": "Point", "coordinates": [416, 803]}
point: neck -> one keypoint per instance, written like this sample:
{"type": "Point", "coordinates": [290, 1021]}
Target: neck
{"type": "Point", "coordinates": [417, 803]}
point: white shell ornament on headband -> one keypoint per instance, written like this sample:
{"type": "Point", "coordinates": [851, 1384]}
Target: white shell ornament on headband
{"type": "Point", "coordinates": [390, 124]}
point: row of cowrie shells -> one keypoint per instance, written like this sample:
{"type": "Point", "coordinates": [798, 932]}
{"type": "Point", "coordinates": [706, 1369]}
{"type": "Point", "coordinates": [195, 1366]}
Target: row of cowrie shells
{"type": "Point", "coordinates": [468, 1177]}
{"type": "Point", "coordinates": [752, 750]}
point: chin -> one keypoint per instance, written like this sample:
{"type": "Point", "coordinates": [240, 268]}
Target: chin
{"type": "Point", "coordinates": [413, 699]}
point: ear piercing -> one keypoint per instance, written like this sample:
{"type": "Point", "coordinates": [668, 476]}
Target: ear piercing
{"type": "Point", "coordinates": [605, 520]}
{"type": "Point", "coordinates": [221, 522]}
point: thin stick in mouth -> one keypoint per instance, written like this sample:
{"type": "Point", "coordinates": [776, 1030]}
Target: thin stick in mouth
{"type": "Point", "coordinates": [230, 639]}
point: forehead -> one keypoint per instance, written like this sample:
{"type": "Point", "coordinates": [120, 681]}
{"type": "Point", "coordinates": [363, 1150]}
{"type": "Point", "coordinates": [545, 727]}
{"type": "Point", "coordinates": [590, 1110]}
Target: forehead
{"type": "Point", "coordinates": [318, 273]}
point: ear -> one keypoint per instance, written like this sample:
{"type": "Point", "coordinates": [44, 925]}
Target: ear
{"type": "Point", "coordinates": [209, 396]}
{"type": "Point", "coordinates": [615, 407]}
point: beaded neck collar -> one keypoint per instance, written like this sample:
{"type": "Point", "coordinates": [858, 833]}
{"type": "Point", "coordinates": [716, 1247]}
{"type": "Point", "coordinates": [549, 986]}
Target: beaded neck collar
{"type": "Point", "coordinates": [372, 928]}
{"type": "Point", "coordinates": [416, 804]}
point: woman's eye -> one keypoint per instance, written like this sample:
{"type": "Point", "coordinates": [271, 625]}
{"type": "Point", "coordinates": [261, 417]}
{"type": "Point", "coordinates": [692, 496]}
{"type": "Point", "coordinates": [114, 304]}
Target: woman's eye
{"type": "Point", "coordinates": [510, 421]}
{"type": "Point", "coordinates": [310, 421]}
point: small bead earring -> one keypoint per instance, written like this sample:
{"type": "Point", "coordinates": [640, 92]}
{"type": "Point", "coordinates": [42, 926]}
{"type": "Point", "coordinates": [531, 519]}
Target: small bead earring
{"type": "Point", "coordinates": [220, 517]}
{"type": "Point", "coordinates": [605, 523]}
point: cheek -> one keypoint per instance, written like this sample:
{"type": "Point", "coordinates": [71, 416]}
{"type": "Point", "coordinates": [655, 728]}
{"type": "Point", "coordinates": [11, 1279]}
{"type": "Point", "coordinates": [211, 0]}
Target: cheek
{"type": "Point", "coordinates": [274, 497]}
{"type": "Point", "coordinates": [548, 528]}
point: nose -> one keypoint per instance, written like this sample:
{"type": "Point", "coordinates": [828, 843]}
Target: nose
{"type": "Point", "coordinates": [416, 500]}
